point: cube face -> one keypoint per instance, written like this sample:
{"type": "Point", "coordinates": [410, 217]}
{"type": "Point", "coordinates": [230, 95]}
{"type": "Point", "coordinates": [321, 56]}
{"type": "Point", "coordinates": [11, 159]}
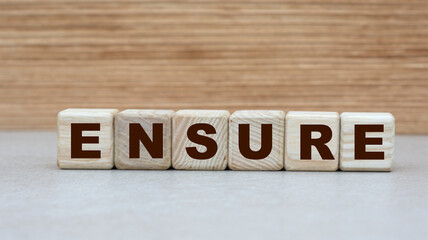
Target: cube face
{"type": "Point", "coordinates": [86, 125]}
{"type": "Point", "coordinates": [270, 156]}
{"type": "Point", "coordinates": [146, 120]}
{"type": "Point", "coordinates": [353, 144]}
{"type": "Point", "coordinates": [312, 141]}
{"type": "Point", "coordinates": [204, 127]}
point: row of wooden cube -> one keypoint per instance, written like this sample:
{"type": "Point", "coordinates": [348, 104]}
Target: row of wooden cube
{"type": "Point", "coordinates": [210, 140]}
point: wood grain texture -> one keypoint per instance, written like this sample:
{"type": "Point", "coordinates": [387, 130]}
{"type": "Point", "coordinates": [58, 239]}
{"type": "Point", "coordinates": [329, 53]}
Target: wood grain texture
{"type": "Point", "coordinates": [347, 141]}
{"type": "Point", "coordinates": [146, 118]}
{"type": "Point", "coordinates": [255, 118]}
{"type": "Point", "coordinates": [292, 160]}
{"type": "Point", "coordinates": [105, 117]}
{"type": "Point", "coordinates": [332, 55]}
{"type": "Point", "coordinates": [181, 122]}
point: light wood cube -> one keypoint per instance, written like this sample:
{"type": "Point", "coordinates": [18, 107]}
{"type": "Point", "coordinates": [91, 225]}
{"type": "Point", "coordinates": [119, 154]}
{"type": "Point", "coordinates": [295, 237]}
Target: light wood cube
{"type": "Point", "coordinates": [367, 141]}
{"type": "Point", "coordinates": [85, 138]}
{"type": "Point", "coordinates": [312, 141]}
{"type": "Point", "coordinates": [200, 139]}
{"type": "Point", "coordinates": [256, 140]}
{"type": "Point", "coordinates": [134, 129]}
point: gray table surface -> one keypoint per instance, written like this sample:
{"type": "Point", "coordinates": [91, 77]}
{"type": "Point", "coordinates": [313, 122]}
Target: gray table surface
{"type": "Point", "coordinates": [40, 201]}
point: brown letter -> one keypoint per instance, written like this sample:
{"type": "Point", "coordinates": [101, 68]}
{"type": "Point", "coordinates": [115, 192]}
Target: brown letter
{"type": "Point", "coordinates": [77, 140]}
{"type": "Point", "coordinates": [192, 134]}
{"type": "Point", "coordinates": [137, 134]}
{"type": "Point", "coordinates": [306, 141]}
{"type": "Point", "coordinates": [361, 141]}
{"type": "Point", "coordinates": [244, 142]}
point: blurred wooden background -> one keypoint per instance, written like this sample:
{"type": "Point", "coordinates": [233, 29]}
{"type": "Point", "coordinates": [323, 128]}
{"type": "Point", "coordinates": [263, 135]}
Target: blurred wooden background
{"type": "Point", "coordinates": [332, 55]}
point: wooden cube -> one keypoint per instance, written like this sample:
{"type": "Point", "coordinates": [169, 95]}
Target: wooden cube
{"type": "Point", "coordinates": [312, 141]}
{"type": "Point", "coordinates": [85, 138]}
{"type": "Point", "coordinates": [367, 141]}
{"type": "Point", "coordinates": [256, 140]}
{"type": "Point", "coordinates": [200, 139]}
{"type": "Point", "coordinates": [143, 139]}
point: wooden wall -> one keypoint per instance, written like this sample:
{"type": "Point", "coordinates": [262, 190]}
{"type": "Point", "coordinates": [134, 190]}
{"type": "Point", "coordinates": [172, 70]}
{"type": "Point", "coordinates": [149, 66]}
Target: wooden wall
{"type": "Point", "coordinates": [332, 55]}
